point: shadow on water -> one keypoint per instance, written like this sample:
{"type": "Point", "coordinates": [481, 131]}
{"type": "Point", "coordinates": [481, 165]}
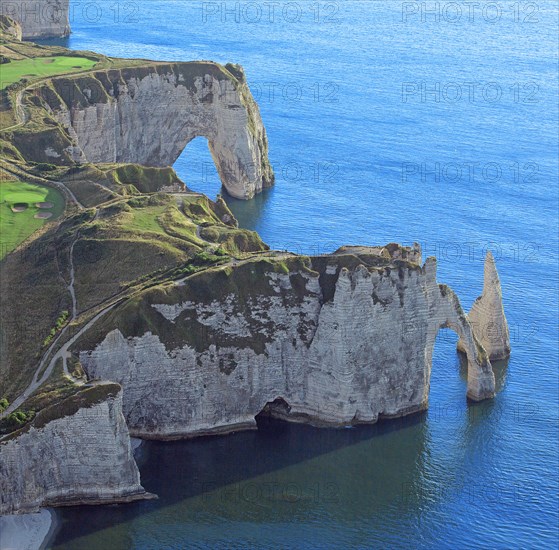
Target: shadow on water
{"type": "Point", "coordinates": [249, 214]}
{"type": "Point", "coordinates": [64, 42]}
{"type": "Point", "coordinates": [352, 472]}
{"type": "Point", "coordinates": [384, 477]}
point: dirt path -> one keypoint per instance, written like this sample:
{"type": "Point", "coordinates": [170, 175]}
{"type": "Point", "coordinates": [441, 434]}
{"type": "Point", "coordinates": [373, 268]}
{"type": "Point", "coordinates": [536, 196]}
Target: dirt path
{"type": "Point", "coordinates": [72, 279]}
{"type": "Point", "coordinates": [20, 112]}
{"type": "Point", "coordinates": [72, 196]}
{"type": "Point", "coordinates": [63, 353]}
{"type": "Point", "coordinates": [72, 292]}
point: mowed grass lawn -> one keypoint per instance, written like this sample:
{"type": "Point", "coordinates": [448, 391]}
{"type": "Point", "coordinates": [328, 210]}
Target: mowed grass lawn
{"type": "Point", "coordinates": [15, 227]}
{"type": "Point", "coordinates": [41, 67]}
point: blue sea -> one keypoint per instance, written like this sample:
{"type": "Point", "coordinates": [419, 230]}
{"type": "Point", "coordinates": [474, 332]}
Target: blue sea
{"type": "Point", "coordinates": [434, 122]}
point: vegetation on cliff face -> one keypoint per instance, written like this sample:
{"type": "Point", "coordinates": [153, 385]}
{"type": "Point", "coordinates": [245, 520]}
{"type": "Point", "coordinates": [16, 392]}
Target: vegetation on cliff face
{"type": "Point", "coordinates": [127, 242]}
{"type": "Point", "coordinates": [65, 404]}
{"type": "Point", "coordinates": [248, 280]}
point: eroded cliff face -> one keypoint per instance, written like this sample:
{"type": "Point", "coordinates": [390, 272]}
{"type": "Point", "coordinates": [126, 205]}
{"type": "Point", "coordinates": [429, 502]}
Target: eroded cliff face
{"type": "Point", "coordinates": [79, 456]}
{"type": "Point", "coordinates": [10, 28]}
{"type": "Point", "coordinates": [332, 340]}
{"type": "Point", "coordinates": [148, 114]}
{"type": "Point", "coordinates": [39, 18]}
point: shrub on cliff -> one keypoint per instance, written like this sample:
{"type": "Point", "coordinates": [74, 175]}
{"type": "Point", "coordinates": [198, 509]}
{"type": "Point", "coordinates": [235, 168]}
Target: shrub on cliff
{"type": "Point", "coordinates": [204, 258]}
{"type": "Point", "coordinates": [45, 167]}
{"type": "Point", "coordinates": [15, 420]}
{"type": "Point", "coordinates": [60, 323]}
{"type": "Point", "coordinates": [3, 404]}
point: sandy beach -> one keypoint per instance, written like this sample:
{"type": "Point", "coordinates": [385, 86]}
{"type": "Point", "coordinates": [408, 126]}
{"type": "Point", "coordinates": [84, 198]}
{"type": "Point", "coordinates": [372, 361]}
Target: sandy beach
{"type": "Point", "coordinates": [25, 531]}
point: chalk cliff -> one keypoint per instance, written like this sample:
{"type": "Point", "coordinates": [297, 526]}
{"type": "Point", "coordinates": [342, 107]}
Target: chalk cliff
{"type": "Point", "coordinates": [39, 18]}
{"type": "Point", "coordinates": [331, 340]}
{"type": "Point", "coordinates": [148, 114]}
{"type": "Point", "coordinates": [341, 339]}
{"type": "Point", "coordinates": [76, 452]}
{"type": "Point", "coordinates": [487, 315]}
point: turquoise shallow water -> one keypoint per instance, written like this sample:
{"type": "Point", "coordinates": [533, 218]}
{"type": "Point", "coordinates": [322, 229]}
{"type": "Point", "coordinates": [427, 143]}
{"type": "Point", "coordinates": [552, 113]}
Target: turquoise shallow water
{"type": "Point", "coordinates": [385, 124]}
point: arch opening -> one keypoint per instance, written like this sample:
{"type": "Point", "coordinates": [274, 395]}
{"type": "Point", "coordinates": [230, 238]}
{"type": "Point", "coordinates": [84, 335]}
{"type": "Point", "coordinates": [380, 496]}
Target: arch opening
{"type": "Point", "coordinates": [480, 377]}
{"type": "Point", "coordinates": [196, 167]}
{"type": "Point", "coordinates": [449, 372]}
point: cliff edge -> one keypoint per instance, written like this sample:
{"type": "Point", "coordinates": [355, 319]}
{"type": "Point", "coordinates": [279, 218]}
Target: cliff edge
{"type": "Point", "coordinates": [39, 18]}
{"type": "Point", "coordinates": [76, 452]}
{"type": "Point", "coordinates": [334, 340]}
{"type": "Point", "coordinates": [147, 114]}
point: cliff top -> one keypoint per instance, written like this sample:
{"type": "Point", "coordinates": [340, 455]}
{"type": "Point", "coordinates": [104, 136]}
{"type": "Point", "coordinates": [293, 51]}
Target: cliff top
{"type": "Point", "coordinates": [392, 251]}
{"type": "Point", "coordinates": [84, 396]}
{"type": "Point", "coordinates": [27, 65]}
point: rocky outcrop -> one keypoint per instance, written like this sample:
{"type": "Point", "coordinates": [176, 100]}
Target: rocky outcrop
{"type": "Point", "coordinates": [75, 452]}
{"type": "Point", "coordinates": [10, 28]}
{"type": "Point", "coordinates": [333, 340]}
{"type": "Point", "coordinates": [39, 18]}
{"type": "Point", "coordinates": [148, 114]}
{"type": "Point", "coordinates": [487, 315]}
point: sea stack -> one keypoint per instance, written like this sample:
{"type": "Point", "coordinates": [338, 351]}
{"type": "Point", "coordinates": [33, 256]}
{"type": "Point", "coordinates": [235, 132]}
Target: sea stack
{"type": "Point", "coordinates": [487, 315]}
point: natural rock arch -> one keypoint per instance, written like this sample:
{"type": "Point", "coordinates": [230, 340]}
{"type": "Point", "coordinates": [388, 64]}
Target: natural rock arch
{"type": "Point", "coordinates": [148, 115]}
{"type": "Point", "coordinates": [448, 313]}
{"type": "Point", "coordinates": [328, 341]}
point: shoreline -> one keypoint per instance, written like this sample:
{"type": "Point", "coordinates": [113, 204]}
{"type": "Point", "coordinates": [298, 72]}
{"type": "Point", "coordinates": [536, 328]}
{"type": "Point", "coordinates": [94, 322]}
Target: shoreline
{"type": "Point", "coordinates": [28, 531]}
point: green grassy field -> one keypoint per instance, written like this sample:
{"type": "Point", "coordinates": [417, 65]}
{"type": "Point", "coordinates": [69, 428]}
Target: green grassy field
{"type": "Point", "coordinates": [41, 67]}
{"type": "Point", "coordinates": [15, 227]}
{"type": "Point", "coordinates": [145, 219]}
